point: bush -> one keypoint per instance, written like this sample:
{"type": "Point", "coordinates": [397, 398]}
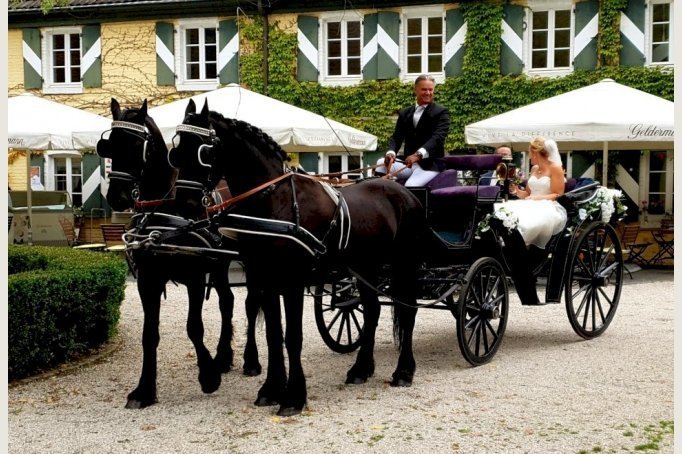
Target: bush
{"type": "Point", "coordinates": [61, 302]}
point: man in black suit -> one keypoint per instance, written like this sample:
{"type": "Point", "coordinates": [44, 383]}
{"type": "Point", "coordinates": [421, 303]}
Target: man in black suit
{"type": "Point", "coordinates": [423, 128]}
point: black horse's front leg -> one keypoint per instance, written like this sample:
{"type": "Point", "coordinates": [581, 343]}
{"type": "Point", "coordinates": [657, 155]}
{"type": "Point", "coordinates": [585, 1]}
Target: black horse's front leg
{"type": "Point", "coordinates": [252, 305]}
{"type": "Point", "coordinates": [364, 362]}
{"type": "Point", "coordinates": [296, 392]}
{"type": "Point", "coordinates": [150, 289]}
{"type": "Point", "coordinates": [224, 353]}
{"type": "Point", "coordinates": [272, 391]}
{"type": "Point", "coordinates": [404, 316]}
{"type": "Point", "coordinates": [209, 371]}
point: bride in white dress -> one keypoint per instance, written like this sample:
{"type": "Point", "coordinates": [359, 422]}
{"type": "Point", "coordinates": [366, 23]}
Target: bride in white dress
{"type": "Point", "coordinates": [540, 216]}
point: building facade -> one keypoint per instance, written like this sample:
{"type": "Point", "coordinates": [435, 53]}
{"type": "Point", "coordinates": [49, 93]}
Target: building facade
{"type": "Point", "coordinates": [93, 50]}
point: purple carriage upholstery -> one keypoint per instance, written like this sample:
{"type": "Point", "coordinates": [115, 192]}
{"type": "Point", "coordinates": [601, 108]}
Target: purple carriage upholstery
{"type": "Point", "coordinates": [460, 193]}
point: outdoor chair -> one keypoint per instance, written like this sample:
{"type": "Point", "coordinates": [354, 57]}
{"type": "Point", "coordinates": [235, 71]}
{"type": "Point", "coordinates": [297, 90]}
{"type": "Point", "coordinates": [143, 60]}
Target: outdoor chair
{"type": "Point", "coordinates": [665, 240]}
{"type": "Point", "coordinates": [113, 237]}
{"type": "Point", "coordinates": [72, 238]}
{"type": "Point", "coordinates": [633, 252]}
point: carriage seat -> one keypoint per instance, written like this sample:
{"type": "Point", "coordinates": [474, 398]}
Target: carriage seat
{"type": "Point", "coordinates": [461, 194]}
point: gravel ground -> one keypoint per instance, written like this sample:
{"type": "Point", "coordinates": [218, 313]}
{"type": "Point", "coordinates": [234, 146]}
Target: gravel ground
{"type": "Point", "coordinates": [545, 391]}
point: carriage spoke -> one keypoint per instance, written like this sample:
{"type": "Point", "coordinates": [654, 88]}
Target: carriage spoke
{"type": "Point", "coordinates": [339, 332]}
{"type": "Point", "coordinates": [587, 301]}
{"type": "Point", "coordinates": [356, 321]}
{"type": "Point", "coordinates": [609, 300]}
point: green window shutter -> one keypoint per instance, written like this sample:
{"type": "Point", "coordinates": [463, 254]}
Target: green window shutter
{"type": "Point", "coordinates": [455, 35]}
{"type": "Point", "coordinates": [308, 161]}
{"type": "Point", "coordinates": [32, 63]}
{"type": "Point", "coordinates": [228, 58]}
{"type": "Point", "coordinates": [92, 179]}
{"type": "Point", "coordinates": [632, 26]}
{"type": "Point", "coordinates": [369, 46]}
{"type": "Point", "coordinates": [585, 39]}
{"type": "Point", "coordinates": [165, 58]}
{"type": "Point", "coordinates": [388, 58]}
{"type": "Point", "coordinates": [511, 49]}
{"type": "Point", "coordinates": [307, 56]}
{"type": "Point", "coordinates": [91, 61]}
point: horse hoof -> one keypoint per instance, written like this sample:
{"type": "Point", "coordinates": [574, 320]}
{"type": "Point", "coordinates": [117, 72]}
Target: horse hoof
{"type": "Point", "coordinates": [252, 371]}
{"type": "Point", "coordinates": [265, 402]}
{"type": "Point", "coordinates": [355, 381]}
{"type": "Point", "coordinates": [289, 411]}
{"type": "Point", "coordinates": [209, 382]}
{"type": "Point", "coordinates": [401, 383]}
{"type": "Point", "coordinates": [134, 404]}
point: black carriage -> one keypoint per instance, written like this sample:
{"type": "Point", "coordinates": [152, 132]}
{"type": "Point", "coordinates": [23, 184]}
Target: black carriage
{"type": "Point", "coordinates": [472, 259]}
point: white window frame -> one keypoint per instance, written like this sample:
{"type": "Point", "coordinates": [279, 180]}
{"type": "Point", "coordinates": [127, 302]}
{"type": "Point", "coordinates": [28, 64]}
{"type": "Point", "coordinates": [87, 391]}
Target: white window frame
{"type": "Point", "coordinates": [50, 168]}
{"type": "Point", "coordinates": [49, 86]}
{"type": "Point", "coordinates": [648, 37]}
{"type": "Point", "coordinates": [324, 162]}
{"type": "Point", "coordinates": [542, 6]}
{"type": "Point", "coordinates": [343, 80]}
{"type": "Point", "coordinates": [645, 176]}
{"type": "Point", "coordinates": [424, 13]}
{"type": "Point", "coordinates": [182, 83]}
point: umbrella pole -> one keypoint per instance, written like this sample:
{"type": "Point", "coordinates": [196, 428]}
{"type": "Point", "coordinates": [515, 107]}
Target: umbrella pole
{"type": "Point", "coordinates": [605, 165]}
{"type": "Point", "coordinates": [29, 210]}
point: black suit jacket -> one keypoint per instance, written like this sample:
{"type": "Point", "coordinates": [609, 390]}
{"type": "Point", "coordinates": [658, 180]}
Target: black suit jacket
{"type": "Point", "coordinates": [430, 133]}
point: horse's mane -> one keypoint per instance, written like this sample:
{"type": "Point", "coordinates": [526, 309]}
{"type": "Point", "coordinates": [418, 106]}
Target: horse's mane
{"type": "Point", "coordinates": [249, 133]}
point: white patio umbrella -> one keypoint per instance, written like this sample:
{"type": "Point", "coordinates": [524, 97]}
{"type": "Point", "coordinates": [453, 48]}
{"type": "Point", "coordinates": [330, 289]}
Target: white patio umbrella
{"type": "Point", "coordinates": [293, 128]}
{"type": "Point", "coordinates": [597, 116]}
{"type": "Point", "coordinates": [34, 123]}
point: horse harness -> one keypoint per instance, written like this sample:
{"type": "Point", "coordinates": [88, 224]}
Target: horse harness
{"type": "Point", "coordinates": [233, 224]}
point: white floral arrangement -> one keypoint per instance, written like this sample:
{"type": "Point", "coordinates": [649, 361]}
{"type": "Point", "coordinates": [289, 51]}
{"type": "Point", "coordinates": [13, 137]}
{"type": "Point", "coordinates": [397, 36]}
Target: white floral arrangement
{"type": "Point", "coordinates": [606, 200]}
{"type": "Point", "coordinates": [509, 219]}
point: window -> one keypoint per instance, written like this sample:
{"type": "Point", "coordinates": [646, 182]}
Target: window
{"type": "Point", "coordinates": [658, 183]}
{"type": "Point", "coordinates": [197, 65]}
{"type": "Point", "coordinates": [344, 45]}
{"type": "Point", "coordinates": [342, 163]}
{"type": "Point", "coordinates": [340, 49]}
{"type": "Point", "coordinates": [660, 30]}
{"type": "Point", "coordinates": [62, 51]}
{"type": "Point", "coordinates": [550, 39]}
{"type": "Point", "coordinates": [66, 175]}
{"type": "Point", "coordinates": [424, 45]}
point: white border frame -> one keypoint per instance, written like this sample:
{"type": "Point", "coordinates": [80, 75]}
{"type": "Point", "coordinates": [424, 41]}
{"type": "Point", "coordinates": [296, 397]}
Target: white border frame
{"type": "Point", "coordinates": [415, 12]}
{"type": "Point", "coordinates": [539, 6]}
{"type": "Point", "coordinates": [337, 16]}
{"type": "Point", "coordinates": [648, 38]}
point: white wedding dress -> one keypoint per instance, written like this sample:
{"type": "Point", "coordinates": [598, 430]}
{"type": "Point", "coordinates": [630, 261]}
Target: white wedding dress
{"type": "Point", "coordinates": [538, 219]}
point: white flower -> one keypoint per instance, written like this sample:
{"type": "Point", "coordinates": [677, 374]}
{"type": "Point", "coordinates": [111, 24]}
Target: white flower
{"type": "Point", "coordinates": [582, 214]}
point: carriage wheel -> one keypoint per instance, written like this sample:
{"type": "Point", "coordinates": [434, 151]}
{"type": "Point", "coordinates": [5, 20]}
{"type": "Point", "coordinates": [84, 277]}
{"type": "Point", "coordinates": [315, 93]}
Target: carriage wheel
{"type": "Point", "coordinates": [482, 311]}
{"type": "Point", "coordinates": [594, 280]}
{"type": "Point", "coordinates": [338, 314]}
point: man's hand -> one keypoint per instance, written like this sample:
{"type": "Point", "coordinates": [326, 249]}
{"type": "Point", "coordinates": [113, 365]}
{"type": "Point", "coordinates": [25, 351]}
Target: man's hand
{"type": "Point", "coordinates": [411, 159]}
{"type": "Point", "coordinates": [389, 159]}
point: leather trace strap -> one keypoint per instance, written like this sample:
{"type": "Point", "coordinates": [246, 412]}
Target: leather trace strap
{"type": "Point", "coordinates": [229, 202]}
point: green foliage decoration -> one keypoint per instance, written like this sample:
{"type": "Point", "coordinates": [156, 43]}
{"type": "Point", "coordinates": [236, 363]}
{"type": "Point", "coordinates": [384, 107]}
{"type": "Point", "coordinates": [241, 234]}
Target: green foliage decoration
{"type": "Point", "coordinates": [480, 92]}
{"type": "Point", "coordinates": [61, 302]}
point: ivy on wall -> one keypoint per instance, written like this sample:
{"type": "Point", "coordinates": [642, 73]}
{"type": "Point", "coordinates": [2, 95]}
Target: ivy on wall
{"type": "Point", "coordinates": [608, 39]}
{"type": "Point", "coordinates": [480, 92]}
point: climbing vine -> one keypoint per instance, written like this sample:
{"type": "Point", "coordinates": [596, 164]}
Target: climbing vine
{"type": "Point", "coordinates": [608, 40]}
{"type": "Point", "coordinates": [478, 93]}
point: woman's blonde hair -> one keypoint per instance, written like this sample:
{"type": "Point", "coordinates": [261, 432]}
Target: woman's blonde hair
{"type": "Point", "coordinates": [538, 145]}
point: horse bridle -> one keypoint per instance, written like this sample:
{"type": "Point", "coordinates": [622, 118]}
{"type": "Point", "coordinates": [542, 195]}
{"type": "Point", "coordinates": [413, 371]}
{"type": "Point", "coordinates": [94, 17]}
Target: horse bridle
{"type": "Point", "coordinates": [141, 132]}
{"type": "Point", "coordinates": [209, 140]}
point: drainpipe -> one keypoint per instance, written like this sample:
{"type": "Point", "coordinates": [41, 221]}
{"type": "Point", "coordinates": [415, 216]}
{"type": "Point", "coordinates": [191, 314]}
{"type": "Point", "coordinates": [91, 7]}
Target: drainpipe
{"type": "Point", "coordinates": [263, 12]}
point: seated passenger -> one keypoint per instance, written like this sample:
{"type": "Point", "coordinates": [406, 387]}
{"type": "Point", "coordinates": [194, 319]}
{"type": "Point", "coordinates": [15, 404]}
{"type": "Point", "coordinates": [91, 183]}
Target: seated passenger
{"type": "Point", "coordinates": [540, 215]}
{"type": "Point", "coordinates": [490, 177]}
{"type": "Point", "coordinates": [423, 128]}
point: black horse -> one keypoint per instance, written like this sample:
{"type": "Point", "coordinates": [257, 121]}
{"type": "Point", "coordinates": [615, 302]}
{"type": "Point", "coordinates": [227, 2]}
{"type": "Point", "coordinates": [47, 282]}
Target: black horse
{"type": "Point", "coordinates": [141, 178]}
{"type": "Point", "coordinates": [287, 224]}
